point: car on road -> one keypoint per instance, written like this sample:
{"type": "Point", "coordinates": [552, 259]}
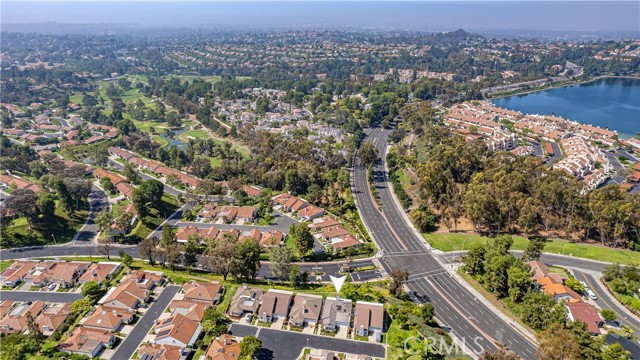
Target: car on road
{"type": "Point", "coordinates": [592, 295]}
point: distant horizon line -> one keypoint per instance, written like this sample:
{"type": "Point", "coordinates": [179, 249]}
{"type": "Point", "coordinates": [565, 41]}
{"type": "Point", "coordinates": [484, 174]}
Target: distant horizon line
{"type": "Point", "coordinates": [390, 1]}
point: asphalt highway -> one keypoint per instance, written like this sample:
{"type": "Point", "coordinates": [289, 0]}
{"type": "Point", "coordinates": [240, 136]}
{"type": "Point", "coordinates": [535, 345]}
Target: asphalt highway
{"type": "Point", "coordinates": [470, 320]}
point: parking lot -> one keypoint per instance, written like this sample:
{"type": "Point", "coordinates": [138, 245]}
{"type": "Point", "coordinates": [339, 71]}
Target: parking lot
{"type": "Point", "coordinates": [288, 345]}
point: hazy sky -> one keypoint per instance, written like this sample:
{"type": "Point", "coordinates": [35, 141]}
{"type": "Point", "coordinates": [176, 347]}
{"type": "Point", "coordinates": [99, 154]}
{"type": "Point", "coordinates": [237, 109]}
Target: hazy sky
{"type": "Point", "coordinates": [451, 14]}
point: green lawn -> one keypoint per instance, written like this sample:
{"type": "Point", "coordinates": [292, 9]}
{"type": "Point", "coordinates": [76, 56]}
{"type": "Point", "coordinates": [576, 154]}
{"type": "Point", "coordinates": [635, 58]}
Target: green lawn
{"type": "Point", "coordinates": [196, 134]}
{"type": "Point", "coordinates": [156, 216]}
{"type": "Point", "coordinates": [48, 344]}
{"type": "Point", "coordinates": [133, 95]}
{"type": "Point", "coordinates": [64, 229]}
{"type": "Point", "coordinates": [146, 126]}
{"type": "Point", "coordinates": [211, 79]}
{"type": "Point", "coordinates": [453, 242]}
{"type": "Point", "coordinates": [5, 264]}
{"type": "Point", "coordinates": [75, 99]}
{"type": "Point", "coordinates": [160, 140]}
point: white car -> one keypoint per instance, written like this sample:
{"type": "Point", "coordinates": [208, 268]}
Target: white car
{"type": "Point", "coordinates": [592, 295]}
{"type": "Point", "coordinates": [248, 318]}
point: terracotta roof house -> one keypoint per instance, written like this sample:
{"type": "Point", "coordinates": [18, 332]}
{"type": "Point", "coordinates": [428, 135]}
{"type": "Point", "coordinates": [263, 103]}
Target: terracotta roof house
{"type": "Point", "coordinates": [188, 180]}
{"type": "Point", "coordinates": [319, 354]}
{"type": "Point", "coordinates": [121, 153]}
{"type": "Point", "coordinates": [295, 204]}
{"type": "Point", "coordinates": [15, 273]}
{"type": "Point", "coordinates": [127, 295]}
{"type": "Point", "coordinates": [368, 318]}
{"type": "Point", "coordinates": [245, 300]}
{"type": "Point", "coordinates": [40, 273]}
{"type": "Point", "coordinates": [209, 211]}
{"type": "Point", "coordinates": [561, 292]}
{"type": "Point", "coordinates": [244, 213]}
{"type": "Point", "coordinates": [275, 305]}
{"type": "Point", "coordinates": [194, 310]}
{"type": "Point", "coordinates": [98, 272]}
{"type": "Point", "coordinates": [336, 313]}
{"type": "Point", "coordinates": [540, 271]}
{"type": "Point", "coordinates": [67, 273]}
{"type": "Point", "coordinates": [18, 182]}
{"type": "Point", "coordinates": [223, 348]}
{"type": "Point", "coordinates": [52, 317]}
{"type": "Point", "coordinates": [252, 191]}
{"type": "Point", "coordinates": [274, 238]}
{"type": "Point", "coordinates": [305, 310]}
{"type": "Point", "coordinates": [108, 318]}
{"type": "Point", "coordinates": [334, 231]}
{"type": "Point", "coordinates": [323, 222]}
{"type": "Point", "coordinates": [5, 307]}
{"type": "Point", "coordinates": [115, 178]}
{"type": "Point", "coordinates": [281, 199]}
{"type": "Point", "coordinates": [125, 189]}
{"type": "Point", "coordinates": [344, 242]}
{"type": "Point", "coordinates": [87, 341]}
{"type": "Point", "coordinates": [586, 313]}
{"type": "Point", "coordinates": [203, 292]}
{"type": "Point", "coordinates": [184, 233]}
{"type": "Point", "coordinates": [144, 279]}
{"type": "Point", "coordinates": [310, 212]}
{"type": "Point", "coordinates": [16, 320]}
{"type": "Point", "coordinates": [254, 234]}
{"type": "Point", "coordinates": [161, 352]}
{"type": "Point", "coordinates": [177, 330]}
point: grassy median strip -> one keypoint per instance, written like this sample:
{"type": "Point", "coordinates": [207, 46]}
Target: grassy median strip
{"type": "Point", "coordinates": [457, 241]}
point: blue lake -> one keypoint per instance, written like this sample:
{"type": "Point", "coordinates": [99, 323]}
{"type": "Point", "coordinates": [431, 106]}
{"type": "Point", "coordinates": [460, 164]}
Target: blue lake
{"type": "Point", "coordinates": [612, 103]}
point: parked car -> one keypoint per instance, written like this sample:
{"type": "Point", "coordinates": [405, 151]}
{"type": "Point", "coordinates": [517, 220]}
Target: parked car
{"type": "Point", "coordinates": [248, 318]}
{"type": "Point", "coordinates": [592, 295]}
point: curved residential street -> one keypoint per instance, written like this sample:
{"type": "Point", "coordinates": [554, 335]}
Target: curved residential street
{"type": "Point", "coordinates": [88, 233]}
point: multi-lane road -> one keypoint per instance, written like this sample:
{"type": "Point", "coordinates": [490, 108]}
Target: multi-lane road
{"type": "Point", "coordinates": [469, 319]}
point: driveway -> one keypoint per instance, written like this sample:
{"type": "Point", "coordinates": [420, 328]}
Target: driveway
{"type": "Point", "coordinates": [309, 329]}
{"type": "Point", "coordinates": [133, 340]}
{"type": "Point", "coordinates": [343, 332]}
{"type": "Point", "coordinates": [60, 297]}
{"type": "Point", "coordinates": [277, 324]}
{"type": "Point", "coordinates": [287, 345]}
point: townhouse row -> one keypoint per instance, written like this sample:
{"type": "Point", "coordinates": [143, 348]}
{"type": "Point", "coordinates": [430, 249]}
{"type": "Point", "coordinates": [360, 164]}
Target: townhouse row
{"type": "Point", "coordinates": [273, 238]}
{"type": "Point", "coordinates": [153, 166]}
{"type": "Point", "coordinates": [327, 229]}
{"type": "Point", "coordinates": [65, 274]}
{"type": "Point", "coordinates": [334, 314]}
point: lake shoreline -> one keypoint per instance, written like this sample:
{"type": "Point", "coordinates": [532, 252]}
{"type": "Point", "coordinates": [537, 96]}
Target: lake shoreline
{"type": "Point", "coordinates": [604, 101]}
{"type": "Point", "coordinates": [569, 83]}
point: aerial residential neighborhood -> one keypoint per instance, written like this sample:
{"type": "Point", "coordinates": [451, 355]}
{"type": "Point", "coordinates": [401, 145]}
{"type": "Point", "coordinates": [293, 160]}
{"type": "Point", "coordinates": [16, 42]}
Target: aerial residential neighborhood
{"type": "Point", "coordinates": [263, 180]}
